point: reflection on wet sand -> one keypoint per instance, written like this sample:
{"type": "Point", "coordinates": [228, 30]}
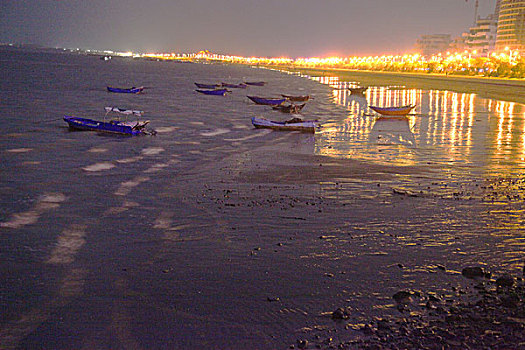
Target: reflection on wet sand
{"type": "Point", "coordinates": [392, 131]}
{"type": "Point", "coordinates": [447, 127]}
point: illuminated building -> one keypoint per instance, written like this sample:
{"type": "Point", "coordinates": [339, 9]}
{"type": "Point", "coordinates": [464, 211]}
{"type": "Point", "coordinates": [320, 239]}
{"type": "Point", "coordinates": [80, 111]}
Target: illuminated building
{"type": "Point", "coordinates": [511, 26]}
{"type": "Point", "coordinates": [459, 44]}
{"type": "Point", "coordinates": [482, 36]}
{"type": "Point", "coordinates": [498, 6]}
{"type": "Point", "coordinates": [428, 45]}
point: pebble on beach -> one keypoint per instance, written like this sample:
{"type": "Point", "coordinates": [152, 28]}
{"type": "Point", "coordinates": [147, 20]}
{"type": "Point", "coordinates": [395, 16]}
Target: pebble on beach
{"type": "Point", "coordinates": [473, 272]}
{"type": "Point", "coordinates": [482, 316]}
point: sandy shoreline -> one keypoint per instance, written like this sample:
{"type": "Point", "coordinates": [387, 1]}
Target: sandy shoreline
{"type": "Point", "coordinates": [511, 90]}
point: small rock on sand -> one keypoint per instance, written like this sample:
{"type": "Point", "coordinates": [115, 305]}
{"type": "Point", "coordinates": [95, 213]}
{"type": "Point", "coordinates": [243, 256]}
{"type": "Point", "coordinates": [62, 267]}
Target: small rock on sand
{"type": "Point", "coordinates": [473, 272]}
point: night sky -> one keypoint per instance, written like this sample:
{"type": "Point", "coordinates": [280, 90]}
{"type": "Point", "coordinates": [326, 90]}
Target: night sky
{"type": "Point", "coordinates": [289, 28]}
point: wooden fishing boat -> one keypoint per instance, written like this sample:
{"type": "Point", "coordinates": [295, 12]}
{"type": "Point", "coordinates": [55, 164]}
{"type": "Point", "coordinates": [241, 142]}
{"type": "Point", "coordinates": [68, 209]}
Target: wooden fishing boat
{"type": "Point", "coordinates": [297, 98]}
{"type": "Point", "coordinates": [291, 108]}
{"type": "Point", "coordinates": [393, 111]}
{"type": "Point", "coordinates": [217, 92]}
{"type": "Point", "coordinates": [114, 126]}
{"type": "Point", "coordinates": [255, 83]}
{"type": "Point", "coordinates": [207, 86]}
{"type": "Point", "coordinates": [357, 90]}
{"type": "Point", "coordinates": [234, 86]}
{"type": "Point", "coordinates": [131, 90]}
{"type": "Point", "coordinates": [267, 100]}
{"type": "Point", "coordinates": [295, 124]}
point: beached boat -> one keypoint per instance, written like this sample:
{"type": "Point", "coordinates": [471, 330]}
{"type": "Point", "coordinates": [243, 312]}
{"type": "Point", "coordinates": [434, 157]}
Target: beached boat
{"type": "Point", "coordinates": [207, 86]}
{"type": "Point", "coordinates": [393, 111]}
{"type": "Point", "coordinates": [123, 111]}
{"type": "Point", "coordinates": [267, 100]}
{"type": "Point", "coordinates": [295, 124]}
{"type": "Point", "coordinates": [131, 90]}
{"type": "Point", "coordinates": [217, 92]}
{"type": "Point", "coordinates": [234, 86]}
{"type": "Point", "coordinates": [113, 126]}
{"type": "Point", "coordinates": [357, 90]}
{"type": "Point", "coordinates": [291, 108]}
{"type": "Point", "coordinates": [255, 83]}
{"type": "Point", "coordinates": [297, 98]}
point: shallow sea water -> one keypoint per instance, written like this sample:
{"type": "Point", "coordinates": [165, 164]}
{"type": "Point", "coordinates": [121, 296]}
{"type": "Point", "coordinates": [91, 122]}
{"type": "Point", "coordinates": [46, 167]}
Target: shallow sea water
{"type": "Point", "coordinates": [199, 237]}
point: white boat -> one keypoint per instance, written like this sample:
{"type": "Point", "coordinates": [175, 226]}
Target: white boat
{"type": "Point", "coordinates": [123, 111]}
{"type": "Point", "coordinates": [295, 124]}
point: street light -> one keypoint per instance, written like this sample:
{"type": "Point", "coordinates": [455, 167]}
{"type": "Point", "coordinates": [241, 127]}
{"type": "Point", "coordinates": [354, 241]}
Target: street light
{"type": "Point", "coordinates": [510, 53]}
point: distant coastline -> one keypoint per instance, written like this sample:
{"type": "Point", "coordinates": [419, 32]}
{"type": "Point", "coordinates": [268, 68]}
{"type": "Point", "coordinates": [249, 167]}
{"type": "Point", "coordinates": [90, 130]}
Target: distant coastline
{"type": "Point", "coordinates": [505, 89]}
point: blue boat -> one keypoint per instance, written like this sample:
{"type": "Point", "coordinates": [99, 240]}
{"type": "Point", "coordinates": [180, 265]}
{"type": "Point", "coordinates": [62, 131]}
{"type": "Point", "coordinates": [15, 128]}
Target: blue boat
{"type": "Point", "coordinates": [131, 90]}
{"type": "Point", "coordinates": [218, 92]}
{"type": "Point", "coordinates": [114, 126]}
{"type": "Point", "coordinates": [234, 86]}
{"type": "Point", "coordinates": [207, 86]}
{"type": "Point", "coordinates": [267, 101]}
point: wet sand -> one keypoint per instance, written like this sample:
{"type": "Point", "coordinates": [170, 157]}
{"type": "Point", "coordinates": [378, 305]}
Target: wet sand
{"type": "Point", "coordinates": [345, 235]}
{"type": "Point", "coordinates": [512, 90]}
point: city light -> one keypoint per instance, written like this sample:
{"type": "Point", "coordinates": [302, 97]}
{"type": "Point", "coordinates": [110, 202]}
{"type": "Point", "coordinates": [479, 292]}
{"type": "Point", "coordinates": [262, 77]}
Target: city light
{"type": "Point", "coordinates": [468, 62]}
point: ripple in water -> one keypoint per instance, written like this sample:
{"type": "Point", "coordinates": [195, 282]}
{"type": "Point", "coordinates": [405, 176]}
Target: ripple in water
{"type": "Point", "coordinates": [19, 150]}
{"type": "Point", "coordinates": [126, 187]}
{"type": "Point", "coordinates": [97, 150]}
{"type": "Point", "coordinates": [261, 133]}
{"type": "Point", "coordinates": [151, 151]}
{"type": "Point", "coordinates": [215, 132]}
{"type": "Point", "coordinates": [45, 203]}
{"type": "Point", "coordinates": [165, 129]}
{"type": "Point", "coordinates": [99, 167]}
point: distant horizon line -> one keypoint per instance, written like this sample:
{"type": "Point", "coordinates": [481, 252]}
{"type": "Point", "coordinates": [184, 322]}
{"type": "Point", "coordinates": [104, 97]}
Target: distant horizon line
{"type": "Point", "coordinates": [107, 51]}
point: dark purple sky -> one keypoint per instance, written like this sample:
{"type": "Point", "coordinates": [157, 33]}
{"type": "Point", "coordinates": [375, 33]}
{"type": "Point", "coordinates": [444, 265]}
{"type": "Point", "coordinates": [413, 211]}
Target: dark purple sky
{"type": "Point", "coordinates": [242, 27]}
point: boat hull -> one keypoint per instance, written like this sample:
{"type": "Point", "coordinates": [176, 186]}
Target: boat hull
{"type": "Point", "coordinates": [255, 83]}
{"type": "Point", "coordinates": [358, 90]}
{"type": "Point", "coordinates": [207, 86]}
{"type": "Point", "coordinates": [234, 86]}
{"type": "Point", "coordinates": [305, 126]}
{"type": "Point", "coordinates": [267, 101]}
{"type": "Point", "coordinates": [289, 108]}
{"type": "Point", "coordinates": [220, 92]}
{"type": "Point", "coordinates": [133, 90]}
{"type": "Point", "coordinates": [101, 126]}
{"type": "Point", "coordinates": [297, 98]}
{"type": "Point", "coordinates": [393, 111]}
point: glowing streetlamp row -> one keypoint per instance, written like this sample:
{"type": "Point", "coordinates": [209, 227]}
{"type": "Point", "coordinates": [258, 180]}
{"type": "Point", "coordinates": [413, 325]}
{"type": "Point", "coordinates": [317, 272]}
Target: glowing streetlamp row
{"type": "Point", "coordinates": [465, 57]}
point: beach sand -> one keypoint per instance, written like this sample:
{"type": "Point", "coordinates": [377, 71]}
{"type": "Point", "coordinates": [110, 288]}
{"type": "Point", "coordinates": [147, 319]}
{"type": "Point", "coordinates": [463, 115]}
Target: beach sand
{"type": "Point", "coordinates": [511, 90]}
{"type": "Point", "coordinates": [334, 240]}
